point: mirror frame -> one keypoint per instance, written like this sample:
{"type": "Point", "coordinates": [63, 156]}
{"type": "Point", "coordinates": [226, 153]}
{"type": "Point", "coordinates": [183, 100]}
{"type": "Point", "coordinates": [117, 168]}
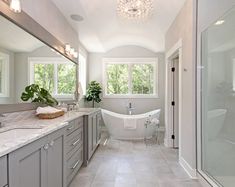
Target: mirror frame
{"type": "Point", "coordinates": [29, 25]}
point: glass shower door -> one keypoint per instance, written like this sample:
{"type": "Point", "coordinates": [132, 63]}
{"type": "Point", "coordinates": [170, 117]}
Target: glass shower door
{"type": "Point", "coordinates": [218, 101]}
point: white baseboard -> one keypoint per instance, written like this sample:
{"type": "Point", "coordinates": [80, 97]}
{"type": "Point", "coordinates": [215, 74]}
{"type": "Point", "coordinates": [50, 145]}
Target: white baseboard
{"type": "Point", "coordinates": [189, 170]}
{"type": "Point", "coordinates": [205, 183]}
{"type": "Point", "coordinates": [167, 142]}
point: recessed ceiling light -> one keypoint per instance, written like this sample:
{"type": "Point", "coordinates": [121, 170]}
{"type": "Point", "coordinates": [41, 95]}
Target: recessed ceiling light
{"type": "Point", "coordinates": [219, 22]}
{"type": "Point", "coordinates": [76, 17]}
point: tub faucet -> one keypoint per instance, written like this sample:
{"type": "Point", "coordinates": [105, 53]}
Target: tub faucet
{"type": "Point", "coordinates": [1, 121]}
{"type": "Point", "coordinates": [130, 108]}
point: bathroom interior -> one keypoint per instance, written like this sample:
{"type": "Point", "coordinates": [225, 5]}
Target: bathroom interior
{"type": "Point", "coordinates": [117, 93]}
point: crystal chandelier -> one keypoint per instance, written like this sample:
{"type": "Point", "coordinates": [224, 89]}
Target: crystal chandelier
{"type": "Point", "coordinates": [134, 9]}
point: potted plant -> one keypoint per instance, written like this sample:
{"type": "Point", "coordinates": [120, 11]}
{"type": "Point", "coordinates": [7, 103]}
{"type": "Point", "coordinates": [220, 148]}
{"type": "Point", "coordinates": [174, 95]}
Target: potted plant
{"type": "Point", "coordinates": [93, 93]}
{"type": "Point", "coordinates": [38, 95]}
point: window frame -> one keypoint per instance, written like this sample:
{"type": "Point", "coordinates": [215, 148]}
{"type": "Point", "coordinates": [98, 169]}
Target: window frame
{"type": "Point", "coordinates": [130, 62]}
{"type": "Point", "coordinates": [48, 60]}
{"type": "Point", "coordinates": [6, 76]}
{"type": "Point", "coordinates": [83, 71]}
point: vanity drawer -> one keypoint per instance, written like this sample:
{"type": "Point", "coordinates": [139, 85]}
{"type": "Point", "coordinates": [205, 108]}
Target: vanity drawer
{"type": "Point", "coordinates": [74, 125]}
{"type": "Point", "coordinates": [74, 164]}
{"type": "Point", "coordinates": [3, 171]}
{"type": "Point", "coordinates": [74, 140]}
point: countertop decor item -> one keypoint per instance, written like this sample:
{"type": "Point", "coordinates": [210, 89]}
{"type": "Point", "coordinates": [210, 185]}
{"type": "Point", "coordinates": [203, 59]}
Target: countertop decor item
{"type": "Point", "coordinates": [49, 112]}
{"type": "Point", "coordinates": [93, 93]}
{"type": "Point", "coordinates": [38, 95]}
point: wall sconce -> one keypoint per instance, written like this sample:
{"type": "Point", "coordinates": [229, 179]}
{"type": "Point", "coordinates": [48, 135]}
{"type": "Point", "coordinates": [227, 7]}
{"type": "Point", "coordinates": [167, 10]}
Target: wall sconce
{"type": "Point", "coordinates": [15, 6]}
{"type": "Point", "coordinates": [70, 51]}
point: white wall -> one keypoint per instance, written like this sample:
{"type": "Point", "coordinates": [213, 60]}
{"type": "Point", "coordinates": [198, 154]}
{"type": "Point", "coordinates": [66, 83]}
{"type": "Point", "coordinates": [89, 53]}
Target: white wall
{"type": "Point", "coordinates": [49, 16]}
{"type": "Point", "coordinates": [182, 28]}
{"type": "Point", "coordinates": [119, 105]}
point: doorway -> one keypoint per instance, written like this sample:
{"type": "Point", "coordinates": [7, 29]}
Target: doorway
{"type": "Point", "coordinates": [173, 97]}
{"type": "Point", "coordinates": [175, 101]}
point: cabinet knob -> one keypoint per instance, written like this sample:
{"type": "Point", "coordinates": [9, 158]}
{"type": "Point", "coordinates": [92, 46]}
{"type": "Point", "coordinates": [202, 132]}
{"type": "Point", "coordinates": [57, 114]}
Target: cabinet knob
{"type": "Point", "coordinates": [46, 146]}
{"type": "Point", "coordinates": [51, 143]}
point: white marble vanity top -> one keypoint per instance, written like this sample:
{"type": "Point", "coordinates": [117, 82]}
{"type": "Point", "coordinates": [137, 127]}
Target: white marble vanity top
{"type": "Point", "coordinates": [18, 133]}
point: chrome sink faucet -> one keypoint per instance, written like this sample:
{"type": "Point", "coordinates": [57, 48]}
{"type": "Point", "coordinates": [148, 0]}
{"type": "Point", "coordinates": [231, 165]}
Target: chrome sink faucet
{"type": "Point", "coordinates": [1, 121]}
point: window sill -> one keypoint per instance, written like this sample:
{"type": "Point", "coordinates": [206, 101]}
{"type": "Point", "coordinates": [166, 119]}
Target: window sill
{"type": "Point", "coordinates": [2, 95]}
{"type": "Point", "coordinates": [131, 96]}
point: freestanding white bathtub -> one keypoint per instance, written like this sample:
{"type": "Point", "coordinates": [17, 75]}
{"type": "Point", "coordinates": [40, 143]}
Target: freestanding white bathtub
{"type": "Point", "coordinates": [115, 125]}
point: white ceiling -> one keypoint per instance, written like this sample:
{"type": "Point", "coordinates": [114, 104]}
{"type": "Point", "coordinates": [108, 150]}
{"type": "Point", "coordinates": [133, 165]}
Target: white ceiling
{"type": "Point", "coordinates": [103, 30]}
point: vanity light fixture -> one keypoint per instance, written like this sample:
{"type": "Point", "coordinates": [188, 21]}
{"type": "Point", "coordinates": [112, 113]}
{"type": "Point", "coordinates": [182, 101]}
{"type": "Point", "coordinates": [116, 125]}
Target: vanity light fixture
{"type": "Point", "coordinates": [75, 54]}
{"type": "Point", "coordinates": [67, 48]}
{"type": "Point", "coordinates": [219, 22]}
{"type": "Point", "coordinates": [70, 51]}
{"type": "Point", "coordinates": [15, 6]}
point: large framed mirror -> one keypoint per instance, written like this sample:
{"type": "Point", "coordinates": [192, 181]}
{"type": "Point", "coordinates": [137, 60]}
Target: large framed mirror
{"type": "Point", "coordinates": [25, 60]}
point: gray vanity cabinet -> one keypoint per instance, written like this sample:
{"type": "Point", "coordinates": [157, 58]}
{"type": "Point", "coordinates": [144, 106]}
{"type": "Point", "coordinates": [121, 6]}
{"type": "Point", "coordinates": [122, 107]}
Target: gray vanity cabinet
{"type": "Point", "coordinates": [3, 171]}
{"type": "Point", "coordinates": [56, 159]}
{"type": "Point", "coordinates": [27, 165]}
{"type": "Point", "coordinates": [39, 164]}
{"type": "Point", "coordinates": [92, 134]}
{"type": "Point", "coordinates": [89, 135]}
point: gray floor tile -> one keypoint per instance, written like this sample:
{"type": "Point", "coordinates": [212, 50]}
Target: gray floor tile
{"type": "Point", "coordinates": [133, 164]}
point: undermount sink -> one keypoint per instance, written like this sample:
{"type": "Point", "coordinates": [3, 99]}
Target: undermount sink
{"type": "Point", "coordinates": [16, 133]}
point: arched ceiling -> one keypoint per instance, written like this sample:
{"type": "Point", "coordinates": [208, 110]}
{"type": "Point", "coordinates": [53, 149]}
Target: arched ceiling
{"type": "Point", "coordinates": [103, 30]}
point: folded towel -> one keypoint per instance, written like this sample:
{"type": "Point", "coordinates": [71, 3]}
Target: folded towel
{"type": "Point", "coordinates": [130, 123]}
{"type": "Point", "coordinates": [155, 121]}
{"type": "Point", "coordinates": [47, 110]}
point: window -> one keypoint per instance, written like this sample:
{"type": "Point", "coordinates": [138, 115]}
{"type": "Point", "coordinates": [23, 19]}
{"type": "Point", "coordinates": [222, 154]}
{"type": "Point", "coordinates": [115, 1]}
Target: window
{"type": "Point", "coordinates": [56, 75]}
{"type": "Point", "coordinates": [82, 71]}
{"type": "Point", "coordinates": [4, 75]}
{"type": "Point", "coordinates": [130, 77]}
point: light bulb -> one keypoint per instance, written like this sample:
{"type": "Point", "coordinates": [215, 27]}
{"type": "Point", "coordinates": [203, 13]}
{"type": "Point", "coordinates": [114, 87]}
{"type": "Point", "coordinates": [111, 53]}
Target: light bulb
{"type": "Point", "coordinates": [72, 50]}
{"type": "Point", "coordinates": [15, 6]}
{"type": "Point", "coordinates": [75, 54]}
{"type": "Point", "coordinates": [67, 48]}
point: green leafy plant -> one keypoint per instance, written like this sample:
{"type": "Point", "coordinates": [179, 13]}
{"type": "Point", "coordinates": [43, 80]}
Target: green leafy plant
{"type": "Point", "coordinates": [38, 95]}
{"type": "Point", "coordinates": [93, 92]}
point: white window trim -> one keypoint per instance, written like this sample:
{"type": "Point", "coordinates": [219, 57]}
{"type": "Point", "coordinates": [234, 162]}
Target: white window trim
{"type": "Point", "coordinates": [84, 55]}
{"type": "Point", "coordinates": [48, 60]}
{"type": "Point", "coordinates": [6, 78]}
{"type": "Point", "coordinates": [153, 61]}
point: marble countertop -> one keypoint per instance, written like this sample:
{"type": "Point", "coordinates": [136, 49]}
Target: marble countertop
{"type": "Point", "coordinates": [19, 133]}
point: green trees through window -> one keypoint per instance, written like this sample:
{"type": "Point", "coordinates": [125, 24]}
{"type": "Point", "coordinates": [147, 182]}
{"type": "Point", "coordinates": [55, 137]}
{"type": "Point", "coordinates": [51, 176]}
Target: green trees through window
{"type": "Point", "coordinates": [58, 78]}
{"type": "Point", "coordinates": [117, 79]}
{"type": "Point", "coordinates": [130, 78]}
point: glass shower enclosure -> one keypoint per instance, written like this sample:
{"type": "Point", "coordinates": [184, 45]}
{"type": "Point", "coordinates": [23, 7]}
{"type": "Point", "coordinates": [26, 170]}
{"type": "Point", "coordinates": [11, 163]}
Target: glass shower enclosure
{"type": "Point", "coordinates": [217, 101]}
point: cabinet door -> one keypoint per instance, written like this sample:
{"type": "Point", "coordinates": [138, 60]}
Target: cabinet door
{"type": "Point", "coordinates": [27, 165]}
{"type": "Point", "coordinates": [98, 137]}
{"type": "Point", "coordinates": [56, 159]}
{"type": "Point", "coordinates": [90, 141]}
{"type": "Point", "coordinates": [3, 171]}
{"type": "Point", "coordinates": [94, 130]}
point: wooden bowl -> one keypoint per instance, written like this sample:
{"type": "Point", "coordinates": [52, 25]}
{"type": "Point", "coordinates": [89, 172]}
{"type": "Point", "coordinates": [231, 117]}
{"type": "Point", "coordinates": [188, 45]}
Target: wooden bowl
{"type": "Point", "coordinates": [51, 115]}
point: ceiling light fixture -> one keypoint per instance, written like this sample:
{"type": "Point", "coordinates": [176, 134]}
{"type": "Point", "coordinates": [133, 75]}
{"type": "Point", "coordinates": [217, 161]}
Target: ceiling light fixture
{"type": "Point", "coordinates": [15, 6]}
{"type": "Point", "coordinates": [134, 9]}
{"type": "Point", "coordinates": [76, 17]}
